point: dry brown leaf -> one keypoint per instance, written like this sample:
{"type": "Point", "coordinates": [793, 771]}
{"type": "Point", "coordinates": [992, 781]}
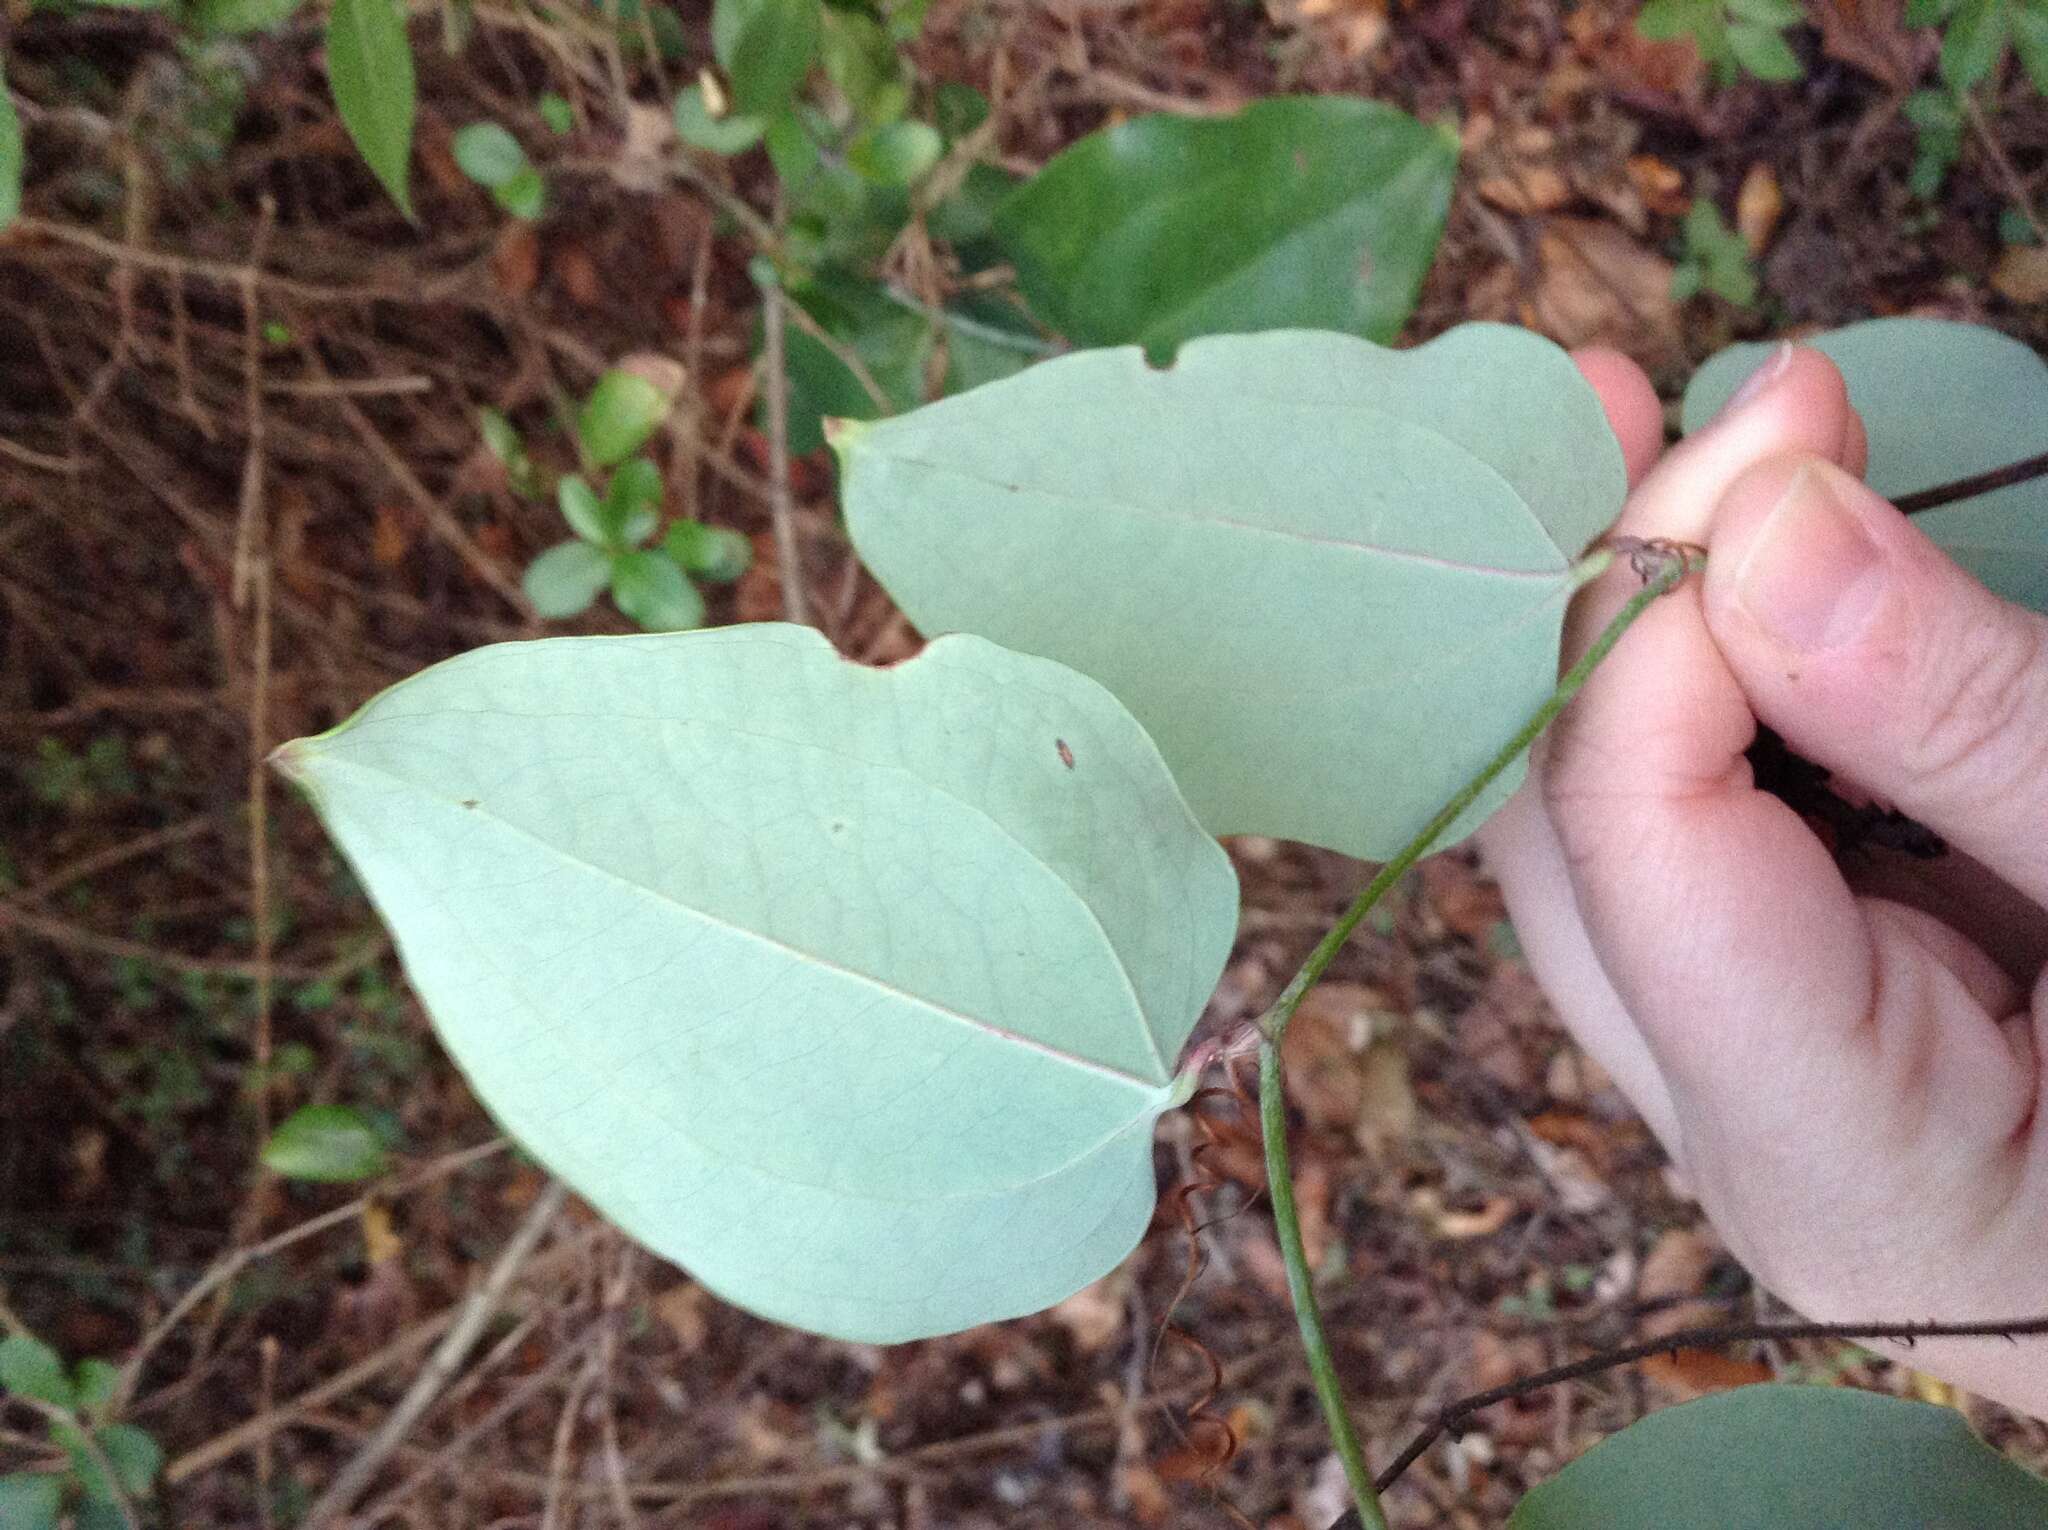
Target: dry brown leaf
{"type": "Point", "coordinates": [1094, 1315]}
{"type": "Point", "coordinates": [1312, 1195]}
{"type": "Point", "coordinates": [1661, 186]}
{"type": "Point", "coordinates": [1492, 1215]}
{"type": "Point", "coordinates": [1151, 1504]}
{"type": "Point", "coordinates": [1386, 1108]}
{"type": "Point", "coordinates": [1870, 35]}
{"type": "Point", "coordinates": [1527, 189]}
{"type": "Point", "coordinates": [515, 260]}
{"type": "Point", "coordinates": [1677, 1265]}
{"type": "Point", "coordinates": [2021, 274]}
{"type": "Point", "coordinates": [381, 1243]}
{"type": "Point", "coordinates": [1599, 286]}
{"type": "Point", "coordinates": [1690, 1373]}
{"type": "Point", "coordinates": [1353, 27]}
{"type": "Point", "coordinates": [1758, 206]}
{"type": "Point", "coordinates": [390, 537]}
{"type": "Point", "coordinates": [575, 272]}
{"type": "Point", "coordinates": [681, 1309]}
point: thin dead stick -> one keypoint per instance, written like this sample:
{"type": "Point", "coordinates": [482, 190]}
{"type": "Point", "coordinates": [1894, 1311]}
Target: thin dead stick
{"type": "Point", "coordinates": [230, 1265]}
{"type": "Point", "coordinates": [449, 1454]}
{"type": "Point", "coordinates": [60, 933]}
{"type": "Point", "coordinates": [441, 1367]}
{"type": "Point", "coordinates": [304, 1409]}
{"type": "Point", "coordinates": [781, 506]}
{"type": "Point", "coordinates": [439, 518]}
{"type": "Point", "coordinates": [433, 290]}
{"type": "Point", "coordinates": [1996, 152]}
{"type": "Point", "coordinates": [842, 353]}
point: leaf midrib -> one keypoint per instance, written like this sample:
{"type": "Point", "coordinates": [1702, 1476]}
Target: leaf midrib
{"type": "Point", "coordinates": [1253, 528]}
{"type": "Point", "coordinates": [1025, 1043]}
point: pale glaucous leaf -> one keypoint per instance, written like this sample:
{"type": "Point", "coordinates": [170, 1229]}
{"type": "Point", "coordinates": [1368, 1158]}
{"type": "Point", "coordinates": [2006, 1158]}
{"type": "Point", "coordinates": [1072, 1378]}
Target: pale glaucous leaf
{"type": "Point", "coordinates": [856, 992]}
{"type": "Point", "coordinates": [1329, 578]}
{"type": "Point", "coordinates": [1941, 401]}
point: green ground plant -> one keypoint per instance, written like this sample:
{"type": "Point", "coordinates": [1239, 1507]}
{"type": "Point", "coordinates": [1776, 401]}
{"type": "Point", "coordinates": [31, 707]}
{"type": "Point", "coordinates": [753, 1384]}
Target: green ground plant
{"type": "Point", "coordinates": [103, 1467]}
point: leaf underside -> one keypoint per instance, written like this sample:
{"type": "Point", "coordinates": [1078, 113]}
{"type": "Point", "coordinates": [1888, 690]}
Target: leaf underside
{"type": "Point", "coordinates": [1941, 401]}
{"type": "Point", "coordinates": [1329, 578]}
{"type": "Point", "coordinates": [841, 987]}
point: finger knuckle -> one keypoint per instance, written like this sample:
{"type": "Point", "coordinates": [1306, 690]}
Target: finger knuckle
{"type": "Point", "coordinates": [1986, 729]}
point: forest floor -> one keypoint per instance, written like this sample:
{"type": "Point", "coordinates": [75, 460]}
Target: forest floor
{"type": "Point", "coordinates": [242, 490]}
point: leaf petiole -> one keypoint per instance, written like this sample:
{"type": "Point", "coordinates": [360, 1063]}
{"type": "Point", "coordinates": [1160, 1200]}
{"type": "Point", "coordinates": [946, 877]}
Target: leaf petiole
{"type": "Point", "coordinates": [1663, 566]}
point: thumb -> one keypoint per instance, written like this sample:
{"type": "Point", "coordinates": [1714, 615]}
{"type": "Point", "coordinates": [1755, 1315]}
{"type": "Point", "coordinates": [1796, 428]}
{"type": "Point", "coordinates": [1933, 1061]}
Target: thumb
{"type": "Point", "coordinates": [1874, 655]}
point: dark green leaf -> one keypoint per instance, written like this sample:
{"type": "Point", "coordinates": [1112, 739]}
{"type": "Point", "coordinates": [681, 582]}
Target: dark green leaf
{"type": "Point", "coordinates": [708, 552]}
{"type": "Point", "coordinates": [1974, 42]}
{"type": "Point", "coordinates": [765, 48]}
{"type": "Point", "coordinates": [10, 154]}
{"type": "Point", "coordinates": [896, 153]}
{"type": "Point", "coordinates": [2030, 40]}
{"type": "Point", "coordinates": [327, 1143]}
{"type": "Point", "coordinates": [556, 112]}
{"type": "Point", "coordinates": [632, 501]}
{"type": "Point", "coordinates": [30, 1500]}
{"type": "Point", "coordinates": [488, 154]}
{"type": "Point", "coordinates": [966, 219]}
{"type": "Point", "coordinates": [135, 1456]}
{"type": "Point", "coordinates": [717, 135]}
{"type": "Point", "coordinates": [1299, 212]}
{"type": "Point", "coordinates": [525, 196]}
{"type": "Point", "coordinates": [958, 109]}
{"type": "Point", "coordinates": [30, 1368]}
{"type": "Point", "coordinates": [652, 591]}
{"type": "Point", "coordinates": [94, 1383]}
{"type": "Point", "coordinates": [1927, 13]}
{"type": "Point", "coordinates": [1775, 14]}
{"type": "Point", "coordinates": [584, 512]}
{"type": "Point", "coordinates": [1763, 51]}
{"type": "Point", "coordinates": [239, 18]}
{"type": "Point", "coordinates": [622, 412]}
{"type": "Point", "coordinates": [862, 62]}
{"type": "Point", "coordinates": [1666, 20]}
{"type": "Point", "coordinates": [1790, 1458]}
{"type": "Point", "coordinates": [565, 579]}
{"type": "Point", "coordinates": [984, 339]}
{"type": "Point", "coordinates": [369, 69]}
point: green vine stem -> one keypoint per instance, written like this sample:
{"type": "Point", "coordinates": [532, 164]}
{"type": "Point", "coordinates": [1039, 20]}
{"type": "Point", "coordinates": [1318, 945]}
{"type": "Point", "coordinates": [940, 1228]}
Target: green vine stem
{"type": "Point", "coordinates": [1663, 566]}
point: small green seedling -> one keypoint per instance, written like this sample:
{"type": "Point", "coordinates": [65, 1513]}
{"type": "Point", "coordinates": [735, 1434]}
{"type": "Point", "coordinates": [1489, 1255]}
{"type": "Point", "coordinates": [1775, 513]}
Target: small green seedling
{"type": "Point", "coordinates": [99, 1468]}
{"type": "Point", "coordinates": [1977, 34]}
{"type": "Point", "coordinates": [493, 158]}
{"type": "Point", "coordinates": [1735, 37]}
{"type": "Point", "coordinates": [1716, 258]}
{"type": "Point", "coordinates": [651, 585]}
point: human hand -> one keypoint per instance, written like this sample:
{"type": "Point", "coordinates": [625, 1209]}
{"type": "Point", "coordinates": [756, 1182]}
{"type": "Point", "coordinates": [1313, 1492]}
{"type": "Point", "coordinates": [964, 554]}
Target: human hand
{"type": "Point", "coordinates": [1848, 1067]}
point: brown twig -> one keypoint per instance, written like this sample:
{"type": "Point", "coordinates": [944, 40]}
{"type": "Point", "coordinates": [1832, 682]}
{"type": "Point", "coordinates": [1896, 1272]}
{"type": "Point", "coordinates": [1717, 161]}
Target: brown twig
{"type": "Point", "coordinates": [440, 1369]}
{"type": "Point", "coordinates": [782, 507]}
{"type": "Point", "coordinates": [2024, 471]}
{"type": "Point", "coordinates": [230, 1265]}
